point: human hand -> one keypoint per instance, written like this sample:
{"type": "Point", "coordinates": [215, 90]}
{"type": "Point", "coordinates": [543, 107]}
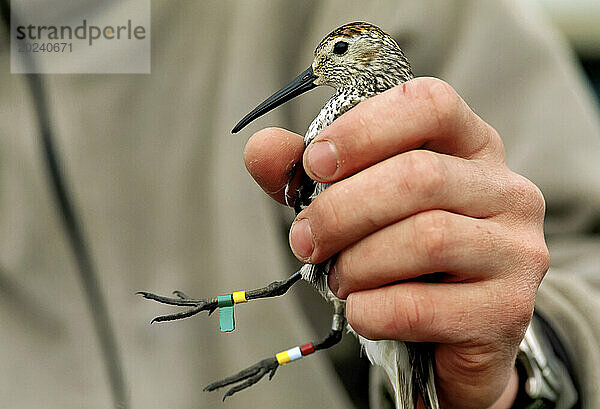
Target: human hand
{"type": "Point", "coordinates": [422, 188]}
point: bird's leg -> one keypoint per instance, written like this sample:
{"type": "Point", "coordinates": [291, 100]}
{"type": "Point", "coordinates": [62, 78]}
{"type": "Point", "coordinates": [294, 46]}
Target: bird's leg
{"type": "Point", "coordinates": [197, 305]}
{"type": "Point", "coordinates": [251, 375]}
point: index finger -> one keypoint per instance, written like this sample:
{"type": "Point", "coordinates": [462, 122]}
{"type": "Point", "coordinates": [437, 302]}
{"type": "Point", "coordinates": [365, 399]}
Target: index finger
{"type": "Point", "coordinates": [421, 113]}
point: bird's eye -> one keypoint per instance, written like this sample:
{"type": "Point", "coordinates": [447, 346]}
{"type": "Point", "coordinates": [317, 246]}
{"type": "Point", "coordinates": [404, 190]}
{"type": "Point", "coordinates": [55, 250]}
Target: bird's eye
{"type": "Point", "coordinates": [340, 47]}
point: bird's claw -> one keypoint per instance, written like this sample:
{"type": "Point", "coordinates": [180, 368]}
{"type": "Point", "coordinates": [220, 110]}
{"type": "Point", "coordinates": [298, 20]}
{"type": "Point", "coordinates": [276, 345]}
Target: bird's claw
{"type": "Point", "coordinates": [246, 377]}
{"type": "Point", "coordinates": [197, 305]}
{"type": "Point", "coordinates": [181, 295]}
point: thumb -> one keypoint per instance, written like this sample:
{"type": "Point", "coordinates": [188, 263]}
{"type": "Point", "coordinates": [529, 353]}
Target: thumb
{"type": "Point", "coordinates": [270, 155]}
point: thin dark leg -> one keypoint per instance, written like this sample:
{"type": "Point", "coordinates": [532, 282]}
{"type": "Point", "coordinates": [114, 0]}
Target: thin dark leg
{"type": "Point", "coordinates": [338, 322]}
{"type": "Point", "coordinates": [274, 289]}
{"type": "Point", "coordinates": [251, 375]}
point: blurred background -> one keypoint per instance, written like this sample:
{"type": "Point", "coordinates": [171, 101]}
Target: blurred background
{"type": "Point", "coordinates": [579, 21]}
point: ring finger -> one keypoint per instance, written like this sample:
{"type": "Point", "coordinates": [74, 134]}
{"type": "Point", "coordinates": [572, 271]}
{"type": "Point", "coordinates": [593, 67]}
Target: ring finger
{"type": "Point", "coordinates": [427, 242]}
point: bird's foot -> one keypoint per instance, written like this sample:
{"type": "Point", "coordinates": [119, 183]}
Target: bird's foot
{"type": "Point", "coordinates": [246, 378]}
{"type": "Point", "coordinates": [197, 305]}
{"type": "Point", "coordinates": [249, 376]}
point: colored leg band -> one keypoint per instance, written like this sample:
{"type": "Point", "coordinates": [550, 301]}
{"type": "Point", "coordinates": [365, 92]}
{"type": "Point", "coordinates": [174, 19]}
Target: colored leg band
{"type": "Point", "coordinates": [239, 297]}
{"type": "Point", "coordinates": [283, 358]}
{"type": "Point", "coordinates": [226, 317]}
{"type": "Point", "coordinates": [294, 354]}
{"type": "Point", "coordinates": [307, 349]}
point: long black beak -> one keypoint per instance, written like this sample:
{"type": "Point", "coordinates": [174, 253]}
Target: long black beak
{"type": "Point", "coordinates": [301, 84]}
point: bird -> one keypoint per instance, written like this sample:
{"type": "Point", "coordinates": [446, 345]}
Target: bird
{"type": "Point", "coordinates": [358, 60]}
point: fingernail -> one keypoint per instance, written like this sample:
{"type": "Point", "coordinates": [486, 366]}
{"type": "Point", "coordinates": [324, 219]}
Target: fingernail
{"type": "Point", "coordinates": [322, 159]}
{"type": "Point", "coordinates": [332, 281]}
{"type": "Point", "coordinates": [301, 239]}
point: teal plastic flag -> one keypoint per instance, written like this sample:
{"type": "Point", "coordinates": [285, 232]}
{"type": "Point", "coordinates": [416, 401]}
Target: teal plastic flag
{"type": "Point", "coordinates": [226, 317]}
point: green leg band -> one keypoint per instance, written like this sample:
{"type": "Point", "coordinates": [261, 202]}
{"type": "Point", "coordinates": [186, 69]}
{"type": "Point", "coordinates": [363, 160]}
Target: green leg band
{"type": "Point", "coordinates": [226, 318]}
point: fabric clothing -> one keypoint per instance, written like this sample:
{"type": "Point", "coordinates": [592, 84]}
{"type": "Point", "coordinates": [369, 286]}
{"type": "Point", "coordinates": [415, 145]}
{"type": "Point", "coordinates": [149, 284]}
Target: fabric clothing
{"type": "Point", "coordinates": [167, 204]}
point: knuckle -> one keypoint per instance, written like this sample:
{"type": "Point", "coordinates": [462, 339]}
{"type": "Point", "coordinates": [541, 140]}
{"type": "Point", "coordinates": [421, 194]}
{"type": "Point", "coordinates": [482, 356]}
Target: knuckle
{"type": "Point", "coordinates": [491, 143]}
{"type": "Point", "coordinates": [511, 309]}
{"type": "Point", "coordinates": [516, 316]}
{"type": "Point", "coordinates": [422, 172]}
{"type": "Point", "coordinates": [543, 258]}
{"type": "Point", "coordinates": [430, 238]}
{"type": "Point", "coordinates": [523, 317]}
{"type": "Point", "coordinates": [531, 206]}
{"type": "Point", "coordinates": [528, 197]}
{"type": "Point", "coordinates": [539, 260]}
{"type": "Point", "coordinates": [537, 199]}
{"type": "Point", "coordinates": [442, 99]}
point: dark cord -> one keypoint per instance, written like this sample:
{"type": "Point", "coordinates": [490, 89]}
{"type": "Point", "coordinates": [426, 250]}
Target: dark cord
{"type": "Point", "coordinates": [72, 225]}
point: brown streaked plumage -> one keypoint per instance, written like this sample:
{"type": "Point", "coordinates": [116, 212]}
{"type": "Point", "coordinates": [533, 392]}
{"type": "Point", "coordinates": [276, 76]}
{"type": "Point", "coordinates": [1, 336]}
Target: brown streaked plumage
{"type": "Point", "coordinates": [353, 29]}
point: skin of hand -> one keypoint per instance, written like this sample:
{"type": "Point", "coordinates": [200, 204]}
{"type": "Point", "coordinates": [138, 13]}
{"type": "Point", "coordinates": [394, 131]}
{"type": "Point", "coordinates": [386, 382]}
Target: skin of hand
{"type": "Point", "coordinates": [438, 240]}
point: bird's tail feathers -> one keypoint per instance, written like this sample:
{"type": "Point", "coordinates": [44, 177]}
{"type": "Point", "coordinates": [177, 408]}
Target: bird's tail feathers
{"type": "Point", "coordinates": [393, 357]}
{"type": "Point", "coordinates": [410, 369]}
{"type": "Point", "coordinates": [422, 360]}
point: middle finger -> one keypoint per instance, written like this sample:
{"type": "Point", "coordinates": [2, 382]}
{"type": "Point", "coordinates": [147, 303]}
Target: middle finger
{"type": "Point", "coordinates": [433, 241]}
{"type": "Point", "coordinates": [390, 191]}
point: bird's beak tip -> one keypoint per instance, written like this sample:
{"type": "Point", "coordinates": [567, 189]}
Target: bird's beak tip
{"type": "Point", "coordinates": [302, 83]}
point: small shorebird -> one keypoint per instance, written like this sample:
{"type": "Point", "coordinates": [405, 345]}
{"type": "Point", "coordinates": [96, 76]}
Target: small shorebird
{"type": "Point", "coordinates": [359, 60]}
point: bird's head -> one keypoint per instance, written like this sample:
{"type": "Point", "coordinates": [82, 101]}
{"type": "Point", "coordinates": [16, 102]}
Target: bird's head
{"type": "Point", "coordinates": [357, 56]}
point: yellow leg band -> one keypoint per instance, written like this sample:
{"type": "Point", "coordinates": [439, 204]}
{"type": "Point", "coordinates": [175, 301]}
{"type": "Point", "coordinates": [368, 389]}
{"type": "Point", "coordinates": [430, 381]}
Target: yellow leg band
{"type": "Point", "coordinates": [239, 297]}
{"type": "Point", "coordinates": [283, 358]}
